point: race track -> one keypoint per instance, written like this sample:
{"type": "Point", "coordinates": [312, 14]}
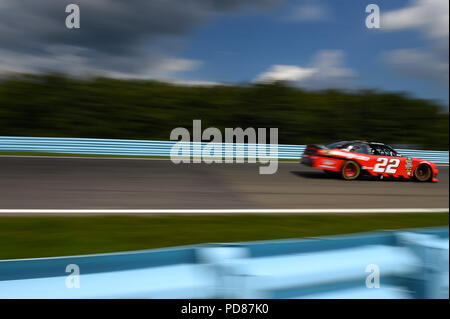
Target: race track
{"type": "Point", "coordinates": [101, 183]}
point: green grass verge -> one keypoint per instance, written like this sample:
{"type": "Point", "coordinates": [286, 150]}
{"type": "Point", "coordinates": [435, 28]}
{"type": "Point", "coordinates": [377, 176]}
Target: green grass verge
{"type": "Point", "coordinates": [43, 236]}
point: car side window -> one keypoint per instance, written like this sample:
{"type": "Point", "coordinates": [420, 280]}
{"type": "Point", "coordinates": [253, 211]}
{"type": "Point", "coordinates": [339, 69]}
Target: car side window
{"type": "Point", "coordinates": [379, 150]}
{"type": "Point", "coordinates": [386, 151]}
{"type": "Point", "coordinates": [389, 151]}
{"type": "Point", "coordinates": [383, 151]}
{"type": "Point", "coordinates": [392, 152]}
{"type": "Point", "coordinates": [359, 148]}
{"type": "Point", "coordinates": [374, 151]}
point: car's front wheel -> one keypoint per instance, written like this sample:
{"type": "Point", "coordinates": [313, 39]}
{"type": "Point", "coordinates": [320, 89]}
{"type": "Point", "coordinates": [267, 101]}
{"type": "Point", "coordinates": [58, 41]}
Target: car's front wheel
{"type": "Point", "coordinates": [350, 170]}
{"type": "Point", "coordinates": [422, 173]}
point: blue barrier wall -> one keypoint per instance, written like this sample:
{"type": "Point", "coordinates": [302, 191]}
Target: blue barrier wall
{"type": "Point", "coordinates": [163, 148]}
{"type": "Point", "coordinates": [410, 264]}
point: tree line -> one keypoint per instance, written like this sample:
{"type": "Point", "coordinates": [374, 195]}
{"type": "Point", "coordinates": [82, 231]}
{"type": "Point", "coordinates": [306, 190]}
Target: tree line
{"type": "Point", "coordinates": [55, 105]}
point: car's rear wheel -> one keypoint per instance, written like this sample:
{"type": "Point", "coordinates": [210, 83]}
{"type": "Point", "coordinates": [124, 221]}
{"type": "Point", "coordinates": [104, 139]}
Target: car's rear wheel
{"type": "Point", "coordinates": [422, 173]}
{"type": "Point", "coordinates": [350, 170]}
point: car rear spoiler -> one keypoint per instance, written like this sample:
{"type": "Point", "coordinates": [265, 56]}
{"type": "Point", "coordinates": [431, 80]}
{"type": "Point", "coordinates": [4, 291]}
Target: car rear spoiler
{"type": "Point", "coordinates": [312, 149]}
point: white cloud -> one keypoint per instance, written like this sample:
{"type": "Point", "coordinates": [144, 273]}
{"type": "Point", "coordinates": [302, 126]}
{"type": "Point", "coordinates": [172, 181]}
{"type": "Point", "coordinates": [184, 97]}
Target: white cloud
{"type": "Point", "coordinates": [419, 63]}
{"type": "Point", "coordinates": [326, 71]}
{"type": "Point", "coordinates": [179, 65]}
{"type": "Point", "coordinates": [308, 12]}
{"type": "Point", "coordinates": [330, 64]}
{"type": "Point", "coordinates": [139, 38]}
{"type": "Point", "coordinates": [72, 60]}
{"type": "Point", "coordinates": [430, 18]}
{"type": "Point", "coordinates": [286, 73]}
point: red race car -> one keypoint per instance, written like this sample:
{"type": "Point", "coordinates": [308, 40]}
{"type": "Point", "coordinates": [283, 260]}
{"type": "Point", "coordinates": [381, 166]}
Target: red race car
{"type": "Point", "coordinates": [351, 159]}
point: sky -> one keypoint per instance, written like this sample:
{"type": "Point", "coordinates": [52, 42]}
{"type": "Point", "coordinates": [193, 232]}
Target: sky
{"type": "Point", "coordinates": [310, 44]}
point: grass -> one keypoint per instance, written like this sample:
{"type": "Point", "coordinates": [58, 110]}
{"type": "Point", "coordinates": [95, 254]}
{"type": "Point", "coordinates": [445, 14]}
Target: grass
{"type": "Point", "coordinates": [44, 236]}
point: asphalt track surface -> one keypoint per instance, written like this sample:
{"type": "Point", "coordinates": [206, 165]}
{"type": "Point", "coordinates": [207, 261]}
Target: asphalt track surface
{"type": "Point", "coordinates": [101, 183]}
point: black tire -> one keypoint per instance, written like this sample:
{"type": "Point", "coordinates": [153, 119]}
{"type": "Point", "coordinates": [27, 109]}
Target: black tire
{"type": "Point", "coordinates": [350, 170]}
{"type": "Point", "coordinates": [423, 173]}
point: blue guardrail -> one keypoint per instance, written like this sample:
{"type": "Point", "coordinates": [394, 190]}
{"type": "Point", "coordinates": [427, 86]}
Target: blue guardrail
{"type": "Point", "coordinates": [383, 264]}
{"type": "Point", "coordinates": [96, 146]}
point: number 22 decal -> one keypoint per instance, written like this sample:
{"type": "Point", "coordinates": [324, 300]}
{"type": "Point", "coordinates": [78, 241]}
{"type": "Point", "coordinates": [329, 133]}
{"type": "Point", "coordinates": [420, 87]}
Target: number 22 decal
{"type": "Point", "coordinates": [382, 168]}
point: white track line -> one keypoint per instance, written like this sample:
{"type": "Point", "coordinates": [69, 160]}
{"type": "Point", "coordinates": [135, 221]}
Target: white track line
{"type": "Point", "coordinates": [226, 211]}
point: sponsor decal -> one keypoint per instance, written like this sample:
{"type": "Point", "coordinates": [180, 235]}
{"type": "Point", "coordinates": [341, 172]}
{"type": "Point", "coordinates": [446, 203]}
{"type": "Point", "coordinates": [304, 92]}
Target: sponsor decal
{"type": "Point", "coordinates": [327, 166]}
{"type": "Point", "coordinates": [408, 165]}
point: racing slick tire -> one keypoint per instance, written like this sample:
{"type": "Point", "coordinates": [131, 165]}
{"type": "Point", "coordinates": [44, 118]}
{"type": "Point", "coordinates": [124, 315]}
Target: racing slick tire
{"type": "Point", "coordinates": [350, 170]}
{"type": "Point", "coordinates": [423, 173]}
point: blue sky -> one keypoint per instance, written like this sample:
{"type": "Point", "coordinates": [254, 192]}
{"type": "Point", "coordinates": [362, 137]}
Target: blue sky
{"type": "Point", "coordinates": [312, 44]}
{"type": "Point", "coordinates": [239, 47]}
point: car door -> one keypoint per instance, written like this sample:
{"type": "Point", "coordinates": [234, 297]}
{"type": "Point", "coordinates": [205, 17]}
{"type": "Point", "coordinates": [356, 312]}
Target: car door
{"type": "Point", "coordinates": [388, 162]}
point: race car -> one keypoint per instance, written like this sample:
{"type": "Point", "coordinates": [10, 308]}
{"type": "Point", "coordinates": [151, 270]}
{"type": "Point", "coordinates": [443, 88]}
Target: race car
{"type": "Point", "coordinates": [352, 159]}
